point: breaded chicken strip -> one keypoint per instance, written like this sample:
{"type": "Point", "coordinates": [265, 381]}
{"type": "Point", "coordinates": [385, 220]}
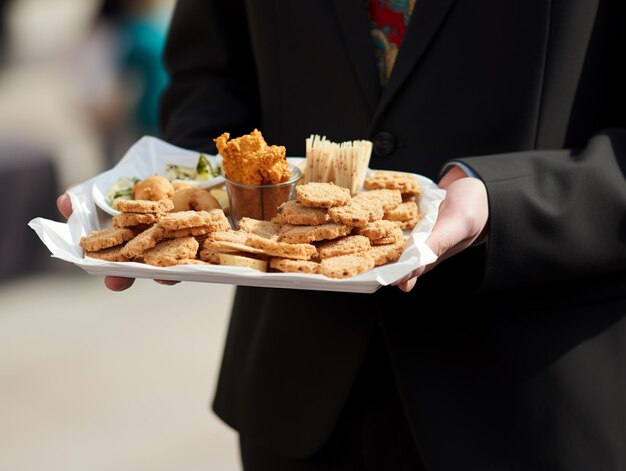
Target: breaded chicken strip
{"type": "Point", "coordinates": [250, 161]}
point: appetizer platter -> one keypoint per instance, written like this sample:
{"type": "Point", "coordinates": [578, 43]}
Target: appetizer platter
{"type": "Point", "coordinates": [320, 223]}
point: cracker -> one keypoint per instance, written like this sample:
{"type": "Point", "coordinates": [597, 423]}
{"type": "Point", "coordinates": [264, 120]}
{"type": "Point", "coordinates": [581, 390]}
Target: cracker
{"type": "Point", "coordinates": [105, 238]}
{"type": "Point", "coordinates": [322, 195]}
{"type": "Point", "coordinates": [343, 246]}
{"type": "Point", "coordinates": [112, 254]}
{"type": "Point", "coordinates": [229, 241]}
{"type": "Point", "coordinates": [144, 241]}
{"type": "Point", "coordinates": [215, 219]}
{"type": "Point", "coordinates": [144, 206]}
{"type": "Point", "coordinates": [346, 266]}
{"type": "Point", "coordinates": [209, 255]}
{"type": "Point", "coordinates": [292, 212]}
{"type": "Point", "coordinates": [307, 234]}
{"type": "Point", "coordinates": [133, 219]}
{"type": "Point", "coordinates": [356, 214]}
{"type": "Point", "coordinates": [404, 182]}
{"type": "Point", "coordinates": [171, 251]}
{"type": "Point", "coordinates": [189, 231]}
{"type": "Point", "coordinates": [191, 261]}
{"type": "Point", "coordinates": [387, 198]}
{"type": "Point", "coordinates": [410, 224]}
{"type": "Point", "coordinates": [387, 253]}
{"type": "Point", "coordinates": [282, 249]}
{"type": "Point", "coordinates": [403, 212]}
{"type": "Point", "coordinates": [393, 236]}
{"type": "Point", "coordinates": [241, 261]}
{"type": "Point", "coordinates": [374, 208]}
{"type": "Point", "coordinates": [267, 229]}
{"type": "Point", "coordinates": [377, 229]}
{"type": "Point", "coordinates": [229, 236]}
{"type": "Point", "coordinates": [294, 266]}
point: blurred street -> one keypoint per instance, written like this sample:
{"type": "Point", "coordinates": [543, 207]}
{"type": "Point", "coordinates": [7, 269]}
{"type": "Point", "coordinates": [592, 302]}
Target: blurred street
{"type": "Point", "coordinates": [91, 379]}
{"type": "Point", "coordinates": [100, 381]}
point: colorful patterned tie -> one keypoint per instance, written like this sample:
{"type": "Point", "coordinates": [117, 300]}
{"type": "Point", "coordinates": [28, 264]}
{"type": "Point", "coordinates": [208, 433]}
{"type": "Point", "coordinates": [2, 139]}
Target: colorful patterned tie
{"type": "Point", "coordinates": [388, 21]}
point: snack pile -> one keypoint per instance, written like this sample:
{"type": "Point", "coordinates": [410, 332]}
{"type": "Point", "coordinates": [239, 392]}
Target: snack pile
{"type": "Point", "coordinates": [324, 230]}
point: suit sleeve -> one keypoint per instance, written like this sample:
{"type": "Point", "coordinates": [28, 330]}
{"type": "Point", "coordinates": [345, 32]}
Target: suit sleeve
{"type": "Point", "coordinates": [555, 215]}
{"type": "Point", "coordinates": [212, 80]}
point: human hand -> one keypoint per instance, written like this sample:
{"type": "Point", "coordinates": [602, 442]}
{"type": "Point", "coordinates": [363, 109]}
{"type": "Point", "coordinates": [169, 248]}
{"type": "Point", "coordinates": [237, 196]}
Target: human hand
{"type": "Point", "coordinates": [114, 283]}
{"type": "Point", "coordinates": [463, 216]}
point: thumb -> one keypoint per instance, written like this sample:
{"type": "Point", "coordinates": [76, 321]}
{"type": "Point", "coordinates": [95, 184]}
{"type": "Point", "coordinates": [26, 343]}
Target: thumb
{"type": "Point", "coordinates": [64, 204]}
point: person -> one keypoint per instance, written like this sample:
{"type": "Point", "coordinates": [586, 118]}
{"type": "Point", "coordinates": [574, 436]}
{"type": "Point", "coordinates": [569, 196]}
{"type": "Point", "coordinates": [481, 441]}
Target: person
{"type": "Point", "coordinates": [119, 71]}
{"type": "Point", "coordinates": [508, 353]}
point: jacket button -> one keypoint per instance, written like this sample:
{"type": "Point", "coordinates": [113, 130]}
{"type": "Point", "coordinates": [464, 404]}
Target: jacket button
{"type": "Point", "coordinates": [384, 143]}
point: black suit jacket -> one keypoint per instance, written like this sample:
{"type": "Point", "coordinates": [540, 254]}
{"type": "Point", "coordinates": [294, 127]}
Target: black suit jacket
{"type": "Point", "coordinates": [509, 356]}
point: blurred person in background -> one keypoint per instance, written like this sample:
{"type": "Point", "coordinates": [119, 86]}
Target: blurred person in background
{"type": "Point", "coordinates": [121, 73]}
{"type": "Point", "coordinates": [509, 354]}
{"type": "Point", "coordinates": [143, 28]}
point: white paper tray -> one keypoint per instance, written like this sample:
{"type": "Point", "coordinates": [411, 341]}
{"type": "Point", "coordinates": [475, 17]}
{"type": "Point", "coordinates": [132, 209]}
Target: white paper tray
{"type": "Point", "coordinates": [148, 157]}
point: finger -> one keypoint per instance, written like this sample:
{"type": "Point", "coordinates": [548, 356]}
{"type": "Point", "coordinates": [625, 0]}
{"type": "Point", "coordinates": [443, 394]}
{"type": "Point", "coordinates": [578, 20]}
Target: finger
{"type": "Point", "coordinates": [116, 283]}
{"type": "Point", "coordinates": [407, 283]}
{"type": "Point", "coordinates": [65, 205]}
{"type": "Point", "coordinates": [167, 282]}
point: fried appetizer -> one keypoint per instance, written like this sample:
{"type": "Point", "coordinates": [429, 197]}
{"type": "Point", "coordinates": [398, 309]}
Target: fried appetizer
{"type": "Point", "coordinates": [248, 160]}
{"type": "Point", "coordinates": [153, 188]}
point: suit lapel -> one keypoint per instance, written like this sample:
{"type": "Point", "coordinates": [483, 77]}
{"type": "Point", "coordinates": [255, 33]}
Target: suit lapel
{"type": "Point", "coordinates": [425, 21]}
{"type": "Point", "coordinates": [354, 26]}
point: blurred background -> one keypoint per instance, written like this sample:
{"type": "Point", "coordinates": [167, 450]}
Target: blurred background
{"type": "Point", "coordinates": [91, 379]}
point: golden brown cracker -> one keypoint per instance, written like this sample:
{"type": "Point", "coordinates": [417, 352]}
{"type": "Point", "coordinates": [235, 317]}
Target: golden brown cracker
{"type": "Point", "coordinates": [350, 215]}
{"type": "Point", "coordinates": [403, 212]}
{"type": "Point", "coordinates": [383, 179]}
{"type": "Point", "coordinates": [294, 266]}
{"type": "Point", "coordinates": [143, 241]}
{"type": "Point", "coordinates": [191, 261]}
{"type": "Point", "coordinates": [229, 241]}
{"type": "Point", "coordinates": [393, 236]}
{"type": "Point", "coordinates": [242, 261]}
{"type": "Point", "coordinates": [209, 255]}
{"type": "Point", "coordinates": [170, 252]}
{"type": "Point", "coordinates": [343, 246]}
{"type": "Point", "coordinates": [387, 253]}
{"type": "Point", "coordinates": [267, 229]}
{"type": "Point", "coordinates": [215, 219]}
{"type": "Point", "coordinates": [410, 224]}
{"type": "Point", "coordinates": [105, 238]}
{"type": "Point", "coordinates": [307, 234]}
{"type": "Point", "coordinates": [346, 266]}
{"type": "Point", "coordinates": [189, 231]}
{"type": "Point", "coordinates": [387, 198]}
{"type": "Point", "coordinates": [297, 214]}
{"type": "Point", "coordinates": [144, 206]}
{"type": "Point", "coordinates": [112, 254]}
{"type": "Point", "coordinates": [322, 195]}
{"type": "Point", "coordinates": [282, 249]}
{"type": "Point", "coordinates": [133, 219]}
{"type": "Point", "coordinates": [377, 229]}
